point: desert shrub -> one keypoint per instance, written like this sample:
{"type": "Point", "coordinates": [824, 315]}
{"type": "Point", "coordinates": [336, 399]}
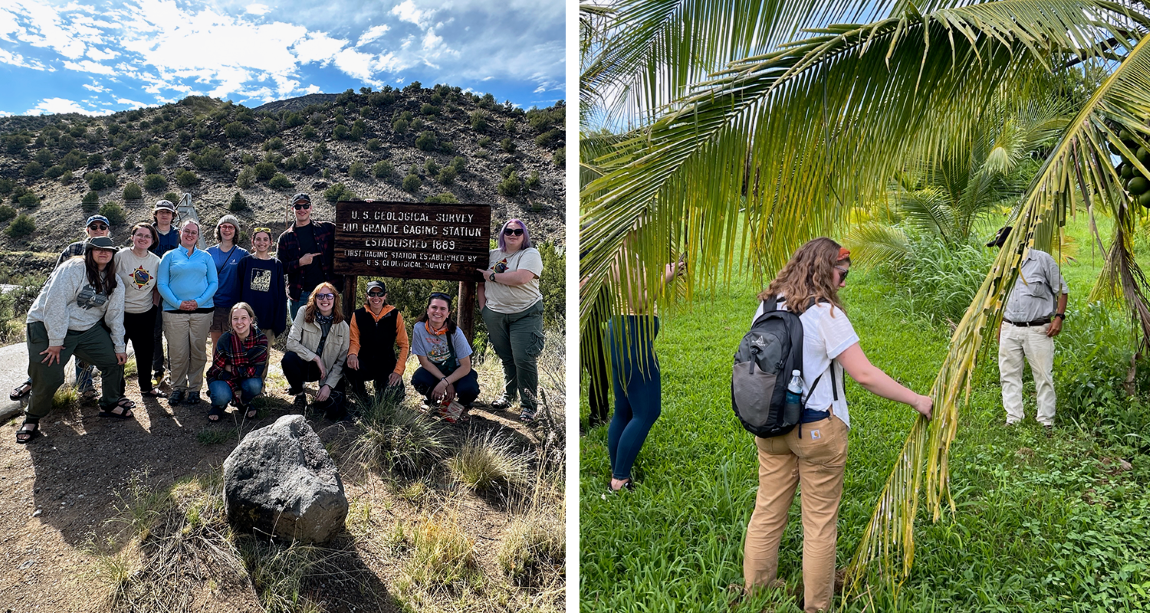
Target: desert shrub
{"type": "Point", "coordinates": [442, 198]}
{"type": "Point", "coordinates": [155, 183]}
{"type": "Point", "coordinates": [430, 167]}
{"type": "Point", "coordinates": [357, 129]}
{"type": "Point", "coordinates": [533, 180]}
{"type": "Point", "coordinates": [269, 126]}
{"type": "Point", "coordinates": [114, 212]}
{"type": "Point", "coordinates": [309, 132]}
{"type": "Point", "coordinates": [28, 200]}
{"type": "Point", "coordinates": [412, 183]}
{"type": "Point", "coordinates": [90, 199]}
{"type": "Point", "coordinates": [373, 144]}
{"type": "Point", "coordinates": [6, 212]}
{"type": "Point", "coordinates": [292, 120]}
{"type": "Point", "coordinates": [95, 160]}
{"type": "Point", "coordinates": [559, 158]}
{"type": "Point", "coordinates": [279, 181]}
{"type": "Point", "coordinates": [33, 170]}
{"type": "Point", "coordinates": [151, 165]}
{"type": "Point", "coordinates": [427, 141]}
{"type": "Point", "coordinates": [337, 192]}
{"type": "Point", "coordinates": [447, 175]}
{"type": "Point", "coordinates": [383, 169]}
{"type": "Point", "coordinates": [510, 186]}
{"type": "Point", "coordinates": [549, 138]}
{"type": "Point", "coordinates": [22, 226]}
{"type": "Point", "coordinates": [186, 178]}
{"type": "Point", "coordinates": [6, 186]}
{"type": "Point", "coordinates": [67, 177]}
{"type": "Point", "coordinates": [171, 157]}
{"type": "Point", "coordinates": [341, 132]}
{"type": "Point", "coordinates": [236, 130]}
{"type": "Point", "coordinates": [507, 170]}
{"type": "Point", "coordinates": [238, 203]}
{"type": "Point", "coordinates": [54, 172]}
{"type": "Point", "coordinates": [357, 170]}
{"type": "Point", "coordinates": [172, 197]}
{"type": "Point", "coordinates": [98, 180]}
{"type": "Point", "coordinates": [132, 191]}
{"type": "Point", "coordinates": [265, 171]}
{"type": "Point", "coordinates": [459, 164]}
{"type": "Point", "coordinates": [484, 141]}
{"type": "Point", "coordinates": [479, 121]}
{"type": "Point", "coordinates": [212, 158]}
{"type": "Point", "coordinates": [399, 126]}
{"type": "Point", "coordinates": [273, 143]}
{"type": "Point", "coordinates": [507, 145]}
{"type": "Point", "coordinates": [428, 109]}
{"type": "Point", "coordinates": [246, 178]}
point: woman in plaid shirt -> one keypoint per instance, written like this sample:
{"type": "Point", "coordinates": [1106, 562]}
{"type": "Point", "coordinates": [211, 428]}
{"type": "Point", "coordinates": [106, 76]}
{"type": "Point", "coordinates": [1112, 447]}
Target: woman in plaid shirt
{"type": "Point", "coordinates": [238, 364]}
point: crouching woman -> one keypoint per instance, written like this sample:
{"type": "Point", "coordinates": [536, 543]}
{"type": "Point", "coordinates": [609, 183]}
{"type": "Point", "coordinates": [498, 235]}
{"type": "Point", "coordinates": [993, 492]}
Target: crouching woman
{"type": "Point", "coordinates": [238, 364]}
{"type": "Point", "coordinates": [80, 311]}
{"type": "Point", "coordinates": [316, 351]}
{"type": "Point", "coordinates": [444, 357]}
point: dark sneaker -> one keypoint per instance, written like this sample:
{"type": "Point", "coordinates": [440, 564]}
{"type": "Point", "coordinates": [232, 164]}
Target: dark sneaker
{"type": "Point", "coordinates": [192, 398]}
{"type": "Point", "coordinates": [176, 397]}
{"type": "Point", "coordinates": [501, 403]}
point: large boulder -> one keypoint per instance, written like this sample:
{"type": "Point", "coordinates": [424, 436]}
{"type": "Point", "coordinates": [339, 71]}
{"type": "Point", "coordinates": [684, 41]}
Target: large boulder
{"type": "Point", "coordinates": [280, 480]}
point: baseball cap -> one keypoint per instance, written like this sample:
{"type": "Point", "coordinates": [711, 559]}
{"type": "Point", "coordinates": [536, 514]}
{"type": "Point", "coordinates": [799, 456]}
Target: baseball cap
{"type": "Point", "coordinates": [97, 218]}
{"type": "Point", "coordinates": [164, 205]}
{"type": "Point", "coordinates": [100, 242]}
{"type": "Point", "coordinates": [301, 197]}
{"type": "Point", "coordinates": [376, 284]}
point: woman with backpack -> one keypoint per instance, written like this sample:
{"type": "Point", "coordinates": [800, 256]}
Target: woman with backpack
{"type": "Point", "coordinates": [813, 454]}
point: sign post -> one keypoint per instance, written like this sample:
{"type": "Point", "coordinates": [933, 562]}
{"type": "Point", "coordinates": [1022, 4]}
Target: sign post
{"type": "Point", "coordinates": [414, 241]}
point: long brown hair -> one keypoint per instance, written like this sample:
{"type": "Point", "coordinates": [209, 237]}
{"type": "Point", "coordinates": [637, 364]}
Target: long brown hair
{"type": "Point", "coordinates": [103, 283]}
{"type": "Point", "coordinates": [810, 273]}
{"type": "Point", "coordinates": [311, 309]}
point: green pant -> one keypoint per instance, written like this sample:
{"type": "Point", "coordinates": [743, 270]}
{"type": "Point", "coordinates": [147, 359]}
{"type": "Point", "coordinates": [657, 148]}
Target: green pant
{"type": "Point", "coordinates": [93, 346]}
{"type": "Point", "coordinates": [518, 340]}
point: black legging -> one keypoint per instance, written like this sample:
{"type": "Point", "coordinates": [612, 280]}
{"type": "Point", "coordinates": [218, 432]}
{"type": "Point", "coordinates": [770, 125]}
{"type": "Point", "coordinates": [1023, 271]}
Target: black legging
{"type": "Point", "coordinates": [139, 329]}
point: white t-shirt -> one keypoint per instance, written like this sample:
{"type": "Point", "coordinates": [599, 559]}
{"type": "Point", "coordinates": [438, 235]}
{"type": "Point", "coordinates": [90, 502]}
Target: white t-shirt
{"type": "Point", "coordinates": [139, 277]}
{"type": "Point", "coordinates": [824, 338]}
{"type": "Point", "coordinates": [509, 299]}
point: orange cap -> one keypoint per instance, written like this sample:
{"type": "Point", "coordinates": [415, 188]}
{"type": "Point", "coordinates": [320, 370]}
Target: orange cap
{"type": "Point", "coordinates": [844, 253]}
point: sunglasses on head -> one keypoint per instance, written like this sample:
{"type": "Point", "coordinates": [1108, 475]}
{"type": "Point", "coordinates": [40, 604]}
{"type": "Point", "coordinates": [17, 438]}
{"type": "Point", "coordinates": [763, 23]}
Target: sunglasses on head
{"type": "Point", "coordinates": [258, 230]}
{"type": "Point", "coordinates": [441, 296]}
{"type": "Point", "coordinates": [324, 296]}
{"type": "Point", "coordinates": [98, 226]}
{"type": "Point", "coordinates": [302, 205]}
{"type": "Point", "coordinates": [843, 272]}
{"type": "Point", "coordinates": [513, 231]}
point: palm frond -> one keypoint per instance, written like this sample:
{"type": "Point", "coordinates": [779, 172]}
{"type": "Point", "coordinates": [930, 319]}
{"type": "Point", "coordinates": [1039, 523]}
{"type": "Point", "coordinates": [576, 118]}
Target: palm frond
{"type": "Point", "coordinates": [877, 244]}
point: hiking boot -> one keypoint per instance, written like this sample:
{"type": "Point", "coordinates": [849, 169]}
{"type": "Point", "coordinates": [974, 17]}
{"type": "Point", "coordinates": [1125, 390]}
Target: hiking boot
{"type": "Point", "coordinates": [192, 398]}
{"type": "Point", "coordinates": [176, 397]}
{"type": "Point", "coordinates": [501, 403]}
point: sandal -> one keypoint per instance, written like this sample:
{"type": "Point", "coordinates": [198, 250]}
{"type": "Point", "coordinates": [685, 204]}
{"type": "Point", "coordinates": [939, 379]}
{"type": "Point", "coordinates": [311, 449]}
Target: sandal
{"type": "Point", "coordinates": [250, 412]}
{"type": "Point", "coordinates": [153, 393]}
{"type": "Point", "coordinates": [126, 402]}
{"type": "Point", "coordinates": [125, 412]}
{"type": "Point", "coordinates": [26, 433]}
{"type": "Point", "coordinates": [527, 416]}
{"type": "Point", "coordinates": [21, 391]}
{"type": "Point", "coordinates": [215, 414]}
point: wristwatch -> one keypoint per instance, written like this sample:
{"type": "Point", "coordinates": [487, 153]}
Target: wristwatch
{"type": "Point", "coordinates": [492, 277]}
{"type": "Point", "coordinates": [1060, 316]}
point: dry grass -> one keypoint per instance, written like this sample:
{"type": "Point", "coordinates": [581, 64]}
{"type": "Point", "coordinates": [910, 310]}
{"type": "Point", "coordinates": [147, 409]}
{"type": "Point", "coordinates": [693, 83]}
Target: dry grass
{"type": "Point", "coordinates": [441, 554]}
{"type": "Point", "coordinates": [397, 438]}
{"type": "Point", "coordinates": [491, 464]}
{"type": "Point", "coordinates": [533, 552]}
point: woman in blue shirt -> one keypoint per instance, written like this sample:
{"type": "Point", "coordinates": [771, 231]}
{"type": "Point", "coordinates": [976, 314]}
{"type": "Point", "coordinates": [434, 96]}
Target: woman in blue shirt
{"type": "Point", "coordinates": [226, 255]}
{"type": "Point", "coordinates": [187, 282]}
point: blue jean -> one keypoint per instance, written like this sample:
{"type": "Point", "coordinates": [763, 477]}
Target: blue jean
{"type": "Point", "coordinates": [637, 384]}
{"type": "Point", "coordinates": [295, 305]}
{"type": "Point", "coordinates": [221, 393]}
{"type": "Point", "coordinates": [466, 389]}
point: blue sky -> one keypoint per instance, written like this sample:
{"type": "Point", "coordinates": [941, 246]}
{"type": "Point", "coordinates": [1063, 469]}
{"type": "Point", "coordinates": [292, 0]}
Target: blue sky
{"type": "Point", "coordinates": [97, 57]}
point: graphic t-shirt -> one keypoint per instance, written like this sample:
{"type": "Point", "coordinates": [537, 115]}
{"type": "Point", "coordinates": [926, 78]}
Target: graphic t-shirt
{"type": "Point", "coordinates": [139, 277]}
{"type": "Point", "coordinates": [262, 286]}
{"type": "Point", "coordinates": [433, 345]}
{"type": "Point", "coordinates": [513, 299]}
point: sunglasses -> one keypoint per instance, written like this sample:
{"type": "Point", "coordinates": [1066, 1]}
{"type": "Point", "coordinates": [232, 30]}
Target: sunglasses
{"type": "Point", "coordinates": [843, 272]}
{"type": "Point", "coordinates": [324, 296]}
{"type": "Point", "coordinates": [98, 226]}
{"type": "Point", "coordinates": [513, 231]}
{"type": "Point", "coordinates": [441, 296]}
{"type": "Point", "coordinates": [302, 205]}
{"type": "Point", "coordinates": [375, 294]}
{"type": "Point", "coordinates": [258, 230]}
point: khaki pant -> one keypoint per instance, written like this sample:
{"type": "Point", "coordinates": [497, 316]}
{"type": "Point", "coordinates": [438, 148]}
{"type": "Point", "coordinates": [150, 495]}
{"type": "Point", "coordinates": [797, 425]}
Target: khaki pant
{"type": "Point", "coordinates": [1031, 342]}
{"type": "Point", "coordinates": [187, 335]}
{"type": "Point", "coordinates": [817, 461]}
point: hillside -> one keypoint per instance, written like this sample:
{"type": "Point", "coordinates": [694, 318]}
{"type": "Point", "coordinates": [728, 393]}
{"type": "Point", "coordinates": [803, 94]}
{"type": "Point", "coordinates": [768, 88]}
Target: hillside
{"type": "Point", "coordinates": [413, 145]}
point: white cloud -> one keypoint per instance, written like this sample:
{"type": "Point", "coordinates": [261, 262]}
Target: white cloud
{"type": "Point", "coordinates": [312, 89]}
{"type": "Point", "coordinates": [388, 62]}
{"type": "Point", "coordinates": [408, 12]}
{"type": "Point", "coordinates": [132, 103]}
{"type": "Point", "coordinates": [431, 41]}
{"type": "Point", "coordinates": [50, 106]}
{"type": "Point", "coordinates": [44, 29]}
{"type": "Point", "coordinates": [98, 55]}
{"type": "Point", "coordinates": [90, 66]}
{"type": "Point", "coordinates": [355, 64]}
{"type": "Point", "coordinates": [96, 87]}
{"type": "Point", "coordinates": [317, 47]}
{"type": "Point", "coordinates": [258, 9]}
{"type": "Point", "coordinates": [15, 59]}
{"type": "Point", "coordinates": [6, 114]}
{"type": "Point", "coordinates": [371, 34]}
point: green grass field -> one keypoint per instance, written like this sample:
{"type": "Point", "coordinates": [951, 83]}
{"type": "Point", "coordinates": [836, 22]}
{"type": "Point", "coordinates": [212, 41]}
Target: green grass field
{"type": "Point", "coordinates": [1042, 524]}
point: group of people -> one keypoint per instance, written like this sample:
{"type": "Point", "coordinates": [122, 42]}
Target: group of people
{"type": "Point", "coordinates": [813, 457]}
{"type": "Point", "coordinates": [161, 286]}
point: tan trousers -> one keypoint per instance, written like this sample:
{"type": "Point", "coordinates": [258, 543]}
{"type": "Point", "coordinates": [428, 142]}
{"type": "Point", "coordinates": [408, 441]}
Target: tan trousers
{"type": "Point", "coordinates": [1031, 343]}
{"type": "Point", "coordinates": [817, 461]}
{"type": "Point", "coordinates": [187, 335]}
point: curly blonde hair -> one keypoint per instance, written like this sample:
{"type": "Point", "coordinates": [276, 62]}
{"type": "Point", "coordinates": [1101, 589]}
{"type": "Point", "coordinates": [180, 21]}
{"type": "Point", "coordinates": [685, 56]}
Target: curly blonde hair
{"type": "Point", "coordinates": [810, 273]}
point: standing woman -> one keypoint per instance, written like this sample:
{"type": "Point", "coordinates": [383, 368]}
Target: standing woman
{"type": "Point", "coordinates": [187, 282]}
{"type": "Point", "coordinates": [316, 351]}
{"type": "Point", "coordinates": [168, 238]}
{"type": "Point", "coordinates": [137, 269]}
{"type": "Point", "coordinates": [227, 255]}
{"type": "Point", "coordinates": [68, 317]}
{"type": "Point", "coordinates": [239, 361]}
{"type": "Point", "coordinates": [815, 454]}
{"type": "Point", "coordinates": [512, 307]}
{"type": "Point", "coordinates": [444, 357]}
{"type": "Point", "coordinates": [261, 280]}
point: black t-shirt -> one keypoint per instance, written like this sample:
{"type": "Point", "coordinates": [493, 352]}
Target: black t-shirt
{"type": "Point", "coordinates": [312, 273]}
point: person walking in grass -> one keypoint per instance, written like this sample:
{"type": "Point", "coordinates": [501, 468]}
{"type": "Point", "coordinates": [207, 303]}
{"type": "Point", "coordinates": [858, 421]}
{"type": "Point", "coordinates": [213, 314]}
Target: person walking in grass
{"type": "Point", "coordinates": [307, 251]}
{"type": "Point", "coordinates": [239, 362]}
{"type": "Point", "coordinates": [814, 454]}
{"type": "Point", "coordinates": [512, 308]}
{"type": "Point", "coordinates": [317, 350]}
{"type": "Point", "coordinates": [376, 330]}
{"type": "Point", "coordinates": [187, 282]}
{"type": "Point", "coordinates": [69, 316]}
{"type": "Point", "coordinates": [1033, 316]}
{"type": "Point", "coordinates": [137, 268]}
{"type": "Point", "coordinates": [95, 226]}
{"type": "Point", "coordinates": [445, 371]}
{"type": "Point", "coordinates": [260, 277]}
{"type": "Point", "coordinates": [227, 255]}
{"type": "Point", "coordinates": [167, 238]}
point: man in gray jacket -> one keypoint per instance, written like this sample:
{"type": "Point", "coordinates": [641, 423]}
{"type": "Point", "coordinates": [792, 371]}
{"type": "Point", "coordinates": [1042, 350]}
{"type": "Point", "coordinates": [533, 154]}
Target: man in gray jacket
{"type": "Point", "coordinates": [1034, 314]}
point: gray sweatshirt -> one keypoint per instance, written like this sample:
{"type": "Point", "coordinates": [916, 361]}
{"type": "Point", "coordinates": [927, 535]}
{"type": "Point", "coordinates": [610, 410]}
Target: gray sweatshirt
{"type": "Point", "coordinates": [68, 302]}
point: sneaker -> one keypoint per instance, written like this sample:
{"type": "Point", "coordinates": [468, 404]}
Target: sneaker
{"type": "Point", "coordinates": [501, 403]}
{"type": "Point", "coordinates": [300, 400]}
{"type": "Point", "coordinates": [192, 398]}
{"type": "Point", "coordinates": [176, 397]}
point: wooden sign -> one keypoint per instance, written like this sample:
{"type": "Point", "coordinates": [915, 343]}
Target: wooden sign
{"type": "Point", "coordinates": [412, 241]}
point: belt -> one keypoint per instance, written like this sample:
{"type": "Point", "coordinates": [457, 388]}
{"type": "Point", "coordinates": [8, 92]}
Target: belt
{"type": "Point", "coordinates": [1027, 324]}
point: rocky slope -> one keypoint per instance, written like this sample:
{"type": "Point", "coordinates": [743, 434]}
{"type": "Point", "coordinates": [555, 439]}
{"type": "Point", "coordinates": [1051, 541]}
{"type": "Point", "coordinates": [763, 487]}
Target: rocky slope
{"type": "Point", "coordinates": [416, 144]}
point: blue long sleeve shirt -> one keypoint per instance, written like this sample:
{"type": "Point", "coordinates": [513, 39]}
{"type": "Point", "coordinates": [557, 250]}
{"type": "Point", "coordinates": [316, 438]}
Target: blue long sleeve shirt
{"type": "Point", "coordinates": [187, 277]}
